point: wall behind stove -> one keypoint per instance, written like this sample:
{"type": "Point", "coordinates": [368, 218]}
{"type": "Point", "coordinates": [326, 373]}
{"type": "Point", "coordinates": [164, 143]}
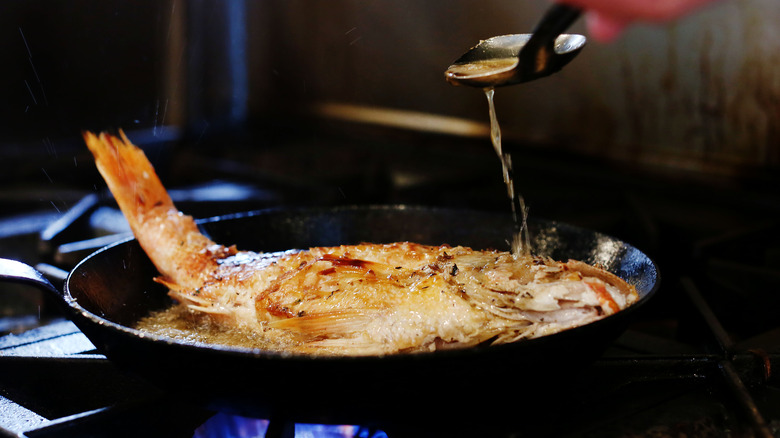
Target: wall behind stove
{"type": "Point", "coordinates": [701, 93]}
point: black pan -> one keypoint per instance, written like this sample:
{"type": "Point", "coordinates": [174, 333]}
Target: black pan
{"type": "Point", "coordinates": [109, 291]}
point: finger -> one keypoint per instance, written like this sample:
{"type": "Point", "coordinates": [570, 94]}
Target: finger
{"type": "Point", "coordinates": [604, 28]}
{"type": "Point", "coordinates": [641, 10]}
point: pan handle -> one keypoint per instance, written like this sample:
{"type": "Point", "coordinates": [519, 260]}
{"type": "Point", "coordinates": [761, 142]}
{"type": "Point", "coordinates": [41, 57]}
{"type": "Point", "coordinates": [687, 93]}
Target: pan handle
{"type": "Point", "coordinates": [18, 272]}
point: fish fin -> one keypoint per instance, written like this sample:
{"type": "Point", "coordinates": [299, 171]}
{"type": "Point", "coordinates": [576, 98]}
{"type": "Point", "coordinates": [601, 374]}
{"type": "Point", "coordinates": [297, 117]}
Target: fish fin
{"type": "Point", "coordinates": [348, 346]}
{"type": "Point", "coordinates": [332, 324]}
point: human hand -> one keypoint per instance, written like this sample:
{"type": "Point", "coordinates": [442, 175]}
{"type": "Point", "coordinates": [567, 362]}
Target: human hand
{"type": "Point", "coordinates": [606, 19]}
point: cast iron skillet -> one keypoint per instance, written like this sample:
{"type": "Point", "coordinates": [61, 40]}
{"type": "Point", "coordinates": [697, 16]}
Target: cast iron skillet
{"type": "Point", "coordinates": [111, 289]}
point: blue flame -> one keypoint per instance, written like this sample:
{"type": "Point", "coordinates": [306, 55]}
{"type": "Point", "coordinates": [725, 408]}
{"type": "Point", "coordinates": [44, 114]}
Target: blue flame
{"type": "Point", "coordinates": [234, 426]}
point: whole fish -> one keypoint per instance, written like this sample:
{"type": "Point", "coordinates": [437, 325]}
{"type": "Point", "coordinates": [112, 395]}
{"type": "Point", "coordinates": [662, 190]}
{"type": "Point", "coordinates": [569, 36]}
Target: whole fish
{"type": "Point", "coordinates": [366, 299]}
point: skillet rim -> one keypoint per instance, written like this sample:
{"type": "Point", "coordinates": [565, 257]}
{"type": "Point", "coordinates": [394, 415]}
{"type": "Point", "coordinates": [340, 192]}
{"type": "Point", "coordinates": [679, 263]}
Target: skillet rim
{"type": "Point", "coordinates": [443, 355]}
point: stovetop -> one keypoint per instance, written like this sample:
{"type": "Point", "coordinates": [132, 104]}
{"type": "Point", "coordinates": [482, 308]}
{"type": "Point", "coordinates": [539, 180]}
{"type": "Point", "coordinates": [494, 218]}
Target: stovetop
{"type": "Point", "coordinates": [699, 360]}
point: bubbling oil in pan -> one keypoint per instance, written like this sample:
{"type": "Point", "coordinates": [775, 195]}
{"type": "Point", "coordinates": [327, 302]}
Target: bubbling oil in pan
{"type": "Point", "coordinates": [181, 323]}
{"type": "Point", "coordinates": [184, 325]}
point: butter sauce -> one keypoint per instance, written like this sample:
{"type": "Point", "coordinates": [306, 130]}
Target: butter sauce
{"type": "Point", "coordinates": [191, 327]}
{"type": "Point", "coordinates": [521, 241]}
{"type": "Point", "coordinates": [481, 73]}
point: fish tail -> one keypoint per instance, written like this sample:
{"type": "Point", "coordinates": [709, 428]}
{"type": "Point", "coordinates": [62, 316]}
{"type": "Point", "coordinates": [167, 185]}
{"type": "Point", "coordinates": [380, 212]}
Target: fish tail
{"type": "Point", "coordinates": [170, 239]}
{"type": "Point", "coordinates": [129, 175]}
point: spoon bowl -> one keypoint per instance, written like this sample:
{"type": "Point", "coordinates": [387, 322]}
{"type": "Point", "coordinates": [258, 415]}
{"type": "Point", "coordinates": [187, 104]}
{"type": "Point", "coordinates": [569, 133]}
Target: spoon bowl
{"type": "Point", "coordinates": [496, 61]}
{"type": "Point", "coordinates": [513, 59]}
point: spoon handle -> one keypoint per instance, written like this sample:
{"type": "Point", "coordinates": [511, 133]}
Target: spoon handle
{"type": "Point", "coordinates": [557, 19]}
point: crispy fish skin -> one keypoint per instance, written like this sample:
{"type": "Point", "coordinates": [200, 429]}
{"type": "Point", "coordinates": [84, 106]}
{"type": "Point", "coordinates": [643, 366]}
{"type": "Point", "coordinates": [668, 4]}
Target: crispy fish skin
{"type": "Point", "coordinates": [366, 299]}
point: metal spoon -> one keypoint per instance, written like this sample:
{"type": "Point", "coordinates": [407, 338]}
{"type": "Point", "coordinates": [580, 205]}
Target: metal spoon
{"type": "Point", "coordinates": [512, 59]}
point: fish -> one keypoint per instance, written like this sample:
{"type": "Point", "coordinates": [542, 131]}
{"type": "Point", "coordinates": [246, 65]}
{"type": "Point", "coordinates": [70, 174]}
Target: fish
{"type": "Point", "coordinates": [350, 300]}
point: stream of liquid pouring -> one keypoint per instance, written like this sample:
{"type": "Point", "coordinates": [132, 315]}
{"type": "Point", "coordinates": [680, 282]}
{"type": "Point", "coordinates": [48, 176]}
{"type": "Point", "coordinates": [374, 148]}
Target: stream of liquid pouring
{"type": "Point", "coordinates": [521, 241]}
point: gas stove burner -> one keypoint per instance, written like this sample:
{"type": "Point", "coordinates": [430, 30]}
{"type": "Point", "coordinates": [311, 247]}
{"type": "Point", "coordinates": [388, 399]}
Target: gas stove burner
{"type": "Point", "coordinates": [235, 426]}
